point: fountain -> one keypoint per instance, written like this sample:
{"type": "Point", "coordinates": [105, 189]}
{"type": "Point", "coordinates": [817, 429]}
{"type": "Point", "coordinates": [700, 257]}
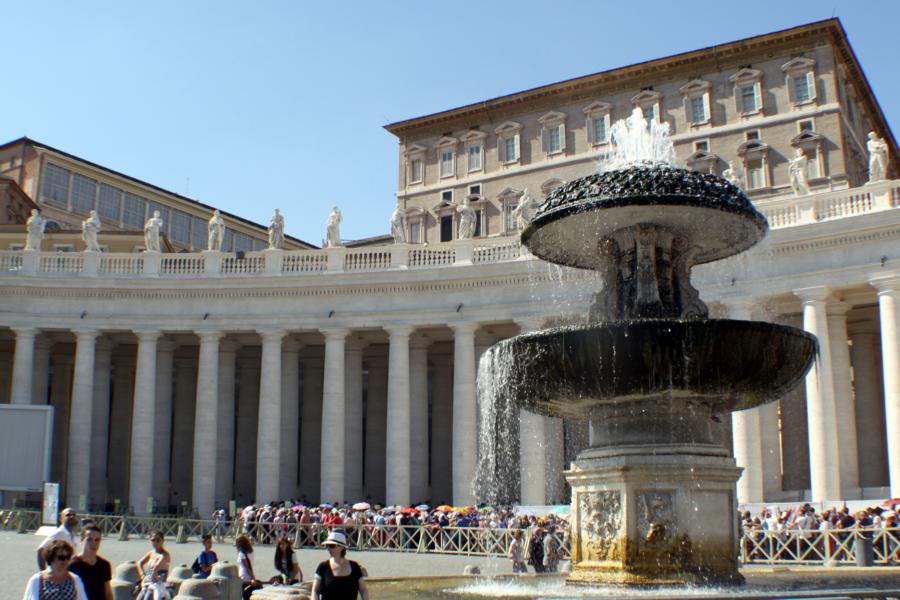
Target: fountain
{"type": "Point", "coordinates": [653, 496]}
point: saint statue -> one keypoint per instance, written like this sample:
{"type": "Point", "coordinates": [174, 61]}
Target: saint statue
{"type": "Point", "coordinates": [878, 156]}
{"type": "Point", "coordinates": [467, 220]}
{"type": "Point", "coordinates": [398, 225]}
{"type": "Point", "coordinates": [733, 175]}
{"type": "Point", "coordinates": [276, 231]}
{"type": "Point", "coordinates": [34, 228]}
{"type": "Point", "coordinates": [333, 228]}
{"type": "Point", "coordinates": [524, 211]}
{"type": "Point", "coordinates": [151, 232]}
{"type": "Point", "coordinates": [90, 228]}
{"type": "Point", "coordinates": [797, 170]}
{"type": "Point", "coordinates": [215, 232]}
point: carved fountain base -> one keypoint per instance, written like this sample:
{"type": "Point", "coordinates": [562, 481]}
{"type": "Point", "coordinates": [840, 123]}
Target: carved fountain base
{"type": "Point", "coordinates": [654, 515]}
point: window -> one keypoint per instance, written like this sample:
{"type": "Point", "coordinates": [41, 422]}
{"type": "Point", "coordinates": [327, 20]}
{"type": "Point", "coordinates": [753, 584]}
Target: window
{"type": "Point", "coordinates": [748, 99]}
{"type": "Point", "coordinates": [55, 188]}
{"type": "Point", "coordinates": [447, 228]}
{"type": "Point", "coordinates": [198, 233]}
{"type": "Point", "coordinates": [63, 248]}
{"type": "Point", "coordinates": [508, 142]}
{"type": "Point", "coordinates": [509, 219]}
{"type": "Point", "coordinates": [109, 202]}
{"type": "Point", "coordinates": [600, 130]}
{"type": "Point", "coordinates": [650, 113]}
{"type": "Point", "coordinates": [415, 164]}
{"type": "Point", "coordinates": [16, 247]}
{"type": "Point", "coordinates": [648, 101]}
{"type": "Point", "coordinates": [696, 101]}
{"type": "Point", "coordinates": [135, 211]}
{"type": "Point", "coordinates": [553, 132]}
{"type": "Point", "coordinates": [474, 157]}
{"type": "Point", "coordinates": [812, 164]}
{"type": "Point", "coordinates": [180, 230]}
{"type": "Point", "coordinates": [747, 91]}
{"type": "Point", "coordinates": [415, 232]}
{"type": "Point", "coordinates": [447, 196]}
{"type": "Point", "coordinates": [805, 125]}
{"type": "Point", "coordinates": [415, 170]}
{"type": "Point", "coordinates": [242, 243]}
{"type": "Point", "coordinates": [163, 214]}
{"type": "Point", "coordinates": [446, 163]}
{"type": "Point", "coordinates": [801, 89]}
{"type": "Point", "coordinates": [754, 174]}
{"type": "Point", "coordinates": [475, 189]}
{"type": "Point", "coordinates": [83, 191]}
{"type": "Point", "coordinates": [554, 141]}
{"type": "Point", "coordinates": [800, 78]}
{"type": "Point", "coordinates": [597, 122]}
{"type": "Point", "coordinates": [701, 146]}
{"type": "Point", "coordinates": [698, 111]}
{"type": "Point", "coordinates": [751, 135]}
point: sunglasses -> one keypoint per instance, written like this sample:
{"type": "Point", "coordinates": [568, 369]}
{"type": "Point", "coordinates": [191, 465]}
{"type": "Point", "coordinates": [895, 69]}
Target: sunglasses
{"type": "Point", "coordinates": [62, 557]}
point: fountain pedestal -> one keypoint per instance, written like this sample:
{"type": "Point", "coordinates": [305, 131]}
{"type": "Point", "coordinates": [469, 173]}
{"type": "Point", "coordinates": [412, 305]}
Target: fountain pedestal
{"type": "Point", "coordinates": [653, 515]}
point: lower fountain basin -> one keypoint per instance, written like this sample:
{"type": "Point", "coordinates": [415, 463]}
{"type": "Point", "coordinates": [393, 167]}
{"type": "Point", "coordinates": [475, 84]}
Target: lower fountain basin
{"type": "Point", "coordinates": [726, 364]}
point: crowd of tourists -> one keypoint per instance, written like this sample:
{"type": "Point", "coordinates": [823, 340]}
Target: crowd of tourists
{"type": "Point", "coordinates": [805, 518]}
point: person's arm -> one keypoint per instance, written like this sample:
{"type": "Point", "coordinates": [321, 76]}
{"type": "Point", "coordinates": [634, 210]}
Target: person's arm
{"type": "Point", "coordinates": [32, 588]}
{"type": "Point", "coordinates": [140, 565]}
{"type": "Point", "coordinates": [42, 564]}
{"type": "Point", "coordinates": [165, 563]}
{"type": "Point", "coordinates": [107, 591]}
{"type": "Point", "coordinates": [249, 566]}
{"type": "Point", "coordinates": [314, 594]}
{"type": "Point", "coordinates": [363, 589]}
{"type": "Point", "coordinates": [80, 594]}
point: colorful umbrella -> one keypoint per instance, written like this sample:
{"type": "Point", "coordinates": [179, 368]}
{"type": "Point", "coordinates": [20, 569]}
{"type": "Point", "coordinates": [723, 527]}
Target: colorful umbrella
{"type": "Point", "coordinates": [409, 511]}
{"type": "Point", "coordinates": [423, 507]}
{"type": "Point", "coordinates": [362, 506]}
{"type": "Point", "coordinates": [325, 505]}
{"type": "Point", "coordinates": [444, 508]}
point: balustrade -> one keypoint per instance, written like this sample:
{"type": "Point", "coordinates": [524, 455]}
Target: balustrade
{"type": "Point", "coordinates": [309, 261]}
{"type": "Point", "coordinates": [431, 257]}
{"type": "Point", "coordinates": [367, 260]}
{"type": "Point", "coordinates": [182, 264]}
{"type": "Point", "coordinates": [10, 261]}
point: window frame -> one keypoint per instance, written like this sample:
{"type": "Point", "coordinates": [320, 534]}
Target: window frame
{"type": "Point", "coordinates": [649, 98]}
{"type": "Point", "coordinates": [697, 90]}
{"type": "Point", "coordinates": [801, 69]}
{"type": "Point", "coordinates": [415, 153]}
{"type": "Point", "coordinates": [474, 139]}
{"type": "Point", "coordinates": [509, 131]}
{"type": "Point", "coordinates": [744, 78]}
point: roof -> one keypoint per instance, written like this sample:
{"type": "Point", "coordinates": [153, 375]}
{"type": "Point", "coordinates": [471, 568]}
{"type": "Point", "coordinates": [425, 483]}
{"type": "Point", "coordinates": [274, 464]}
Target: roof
{"type": "Point", "coordinates": [27, 140]}
{"type": "Point", "coordinates": [831, 27]}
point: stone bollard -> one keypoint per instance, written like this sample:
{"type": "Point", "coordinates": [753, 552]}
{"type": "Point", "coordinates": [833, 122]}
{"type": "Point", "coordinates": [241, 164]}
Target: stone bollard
{"type": "Point", "coordinates": [177, 576]}
{"type": "Point", "coordinates": [472, 570]}
{"type": "Point", "coordinates": [123, 530]}
{"type": "Point", "coordinates": [283, 592]}
{"type": "Point", "coordinates": [198, 589]}
{"type": "Point", "coordinates": [21, 528]}
{"type": "Point", "coordinates": [125, 580]}
{"type": "Point", "coordinates": [181, 535]}
{"type": "Point", "coordinates": [225, 575]}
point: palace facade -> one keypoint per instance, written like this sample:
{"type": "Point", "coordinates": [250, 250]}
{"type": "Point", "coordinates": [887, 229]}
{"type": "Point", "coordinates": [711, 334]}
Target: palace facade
{"type": "Point", "coordinates": [192, 378]}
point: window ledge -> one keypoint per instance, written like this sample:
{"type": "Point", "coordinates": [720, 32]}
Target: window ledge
{"type": "Point", "coordinates": [555, 153]}
{"type": "Point", "coordinates": [603, 143]}
{"type": "Point", "coordinates": [751, 113]}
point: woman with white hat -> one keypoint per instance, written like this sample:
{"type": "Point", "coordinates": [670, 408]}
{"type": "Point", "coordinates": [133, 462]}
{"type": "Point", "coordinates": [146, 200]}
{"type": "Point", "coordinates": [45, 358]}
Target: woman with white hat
{"type": "Point", "coordinates": [338, 578]}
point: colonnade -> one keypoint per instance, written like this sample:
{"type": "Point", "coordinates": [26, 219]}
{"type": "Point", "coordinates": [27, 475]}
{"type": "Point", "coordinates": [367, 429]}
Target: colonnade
{"type": "Point", "coordinates": [205, 421]}
{"type": "Point", "coordinates": [852, 404]}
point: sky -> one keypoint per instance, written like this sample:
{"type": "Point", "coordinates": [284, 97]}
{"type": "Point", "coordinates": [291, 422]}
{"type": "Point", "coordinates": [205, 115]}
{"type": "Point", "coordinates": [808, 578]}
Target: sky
{"type": "Point", "coordinates": [249, 106]}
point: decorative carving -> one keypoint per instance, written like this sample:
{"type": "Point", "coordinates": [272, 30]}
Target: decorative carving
{"type": "Point", "coordinates": [215, 232]}
{"type": "Point", "coordinates": [734, 175]}
{"type": "Point", "coordinates": [797, 169]}
{"type": "Point", "coordinates": [151, 232]}
{"type": "Point", "coordinates": [276, 231]}
{"type": "Point", "coordinates": [655, 519]}
{"type": "Point", "coordinates": [467, 220]}
{"type": "Point", "coordinates": [878, 157]}
{"type": "Point", "coordinates": [90, 227]}
{"type": "Point", "coordinates": [34, 227]}
{"type": "Point", "coordinates": [333, 228]}
{"type": "Point", "coordinates": [601, 524]}
{"type": "Point", "coordinates": [524, 210]}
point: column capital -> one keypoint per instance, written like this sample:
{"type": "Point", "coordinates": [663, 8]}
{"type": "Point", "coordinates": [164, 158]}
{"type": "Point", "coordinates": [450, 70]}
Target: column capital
{"type": "Point", "coordinates": [147, 335]}
{"type": "Point", "coordinates": [420, 342]}
{"type": "Point", "coordinates": [838, 308]}
{"type": "Point", "coordinates": [291, 345]}
{"type": "Point", "coordinates": [465, 328]}
{"type": "Point", "coordinates": [229, 346]}
{"type": "Point", "coordinates": [104, 344]}
{"type": "Point", "coordinates": [42, 342]}
{"type": "Point", "coordinates": [334, 333]}
{"type": "Point", "coordinates": [355, 344]}
{"type": "Point", "coordinates": [23, 332]}
{"type": "Point", "coordinates": [886, 285]}
{"type": "Point", "coordinates": [166, 345]}
{"type": "Point", "coordinates": [272, 335]}
{"type": "Point", "coordinates": [209, 335]}
{"type": "Point", "coordinates": [85, 333]}
{"type": "Point", "coordinates": [399, 330]}
{"type": "Point", "coordinates": [813, 294]}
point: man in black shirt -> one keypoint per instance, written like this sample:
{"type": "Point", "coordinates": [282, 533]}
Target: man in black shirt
{"type": "Point", "coordinates": [94, 571]}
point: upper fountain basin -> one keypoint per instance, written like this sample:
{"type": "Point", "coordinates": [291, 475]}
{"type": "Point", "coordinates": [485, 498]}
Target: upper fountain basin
{"type": "Point", "coordinates": [727, 364]}
{"type": "Point", "coordinates": [709, 211]}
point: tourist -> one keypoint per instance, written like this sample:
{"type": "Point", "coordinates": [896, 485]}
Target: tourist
{"type": "Point", "coordinates": [551, 551]}
{"type": "Point", "coordinates": [66, 531]}
{"type": "Point", "coordinates": [536, 550]}
{"type": "Point", "coordinates": [517, 553]}
{"type": "Point", "coordinates": [206, 559]}
{"type": "Point", "coordinates": [286, 563]}
{"type": "Point", "coordinates": [153, 569]}
{"type": "Point", "coordinates": [338, 578]}
{"type": "Point", "coordinates": [249, 582]}
{"type": "Point", "coordinates": [55, 582]}
{"type": "Point", "coordinates": [95, 571]}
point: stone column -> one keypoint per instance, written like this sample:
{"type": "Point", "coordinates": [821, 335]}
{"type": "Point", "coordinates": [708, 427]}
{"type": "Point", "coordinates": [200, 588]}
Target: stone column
{"type": "Point", "coordinates": [61, 400]}
{"type": "Point", "coordinates": [247, 429]}
{"type": "Point", "coordinates": [120, 411]}
{"type": "Point", "coordinates": [770, 449]}
{"type": "Point", "coordinates": [143, 419]}
{"type": "Point", "coordinates": [206, 424]}
{"type": "Point", "coordinates": [100, 418]}
{"type": "Point", "coordinates": [6, 377]}
{"type": "Point", "coordinates": [23, 365]}
{"type": "Point", "coordinates": [268, 437]}
{"type": "Point", "coordinates": [290, 418]}
{"type": "Point", "coordinates": [332, 453]}
{"type": "Point", "coordinates": [532, 473]}
{"type": "Point", "coordinates": [165, 355]}
{"type": "Point", "coordinates": [398, 422]}
{"type": "Point", "coordinates": [353, 430]}
{"type": "Point", "coordinates": [311, 429]}
{"type": "Point", "coordinates": [376, 428]}
{"type": "Point", "coordinates": [80, 419]}
{"type": "Point", "coordinates": [824, 461]}
{"type": "Point", "coordinates": [889, 311]}
{"type": "Point", "coordinates": [225, 435]}
{"type": "Point", "coordinates": [418, 417]}
{"type": "Point", "coordinates": [464, 413]}
{"type": "Point", "coordinates": [40, 383]}
{"type": "Point", "coordinates": [868, 378]}
{"type": "Point", "coordinates": [442, 430]}
{"type": "Point", "coordinates": [845, 410]}
{"type": "Point", "coordinates": [745, 430]}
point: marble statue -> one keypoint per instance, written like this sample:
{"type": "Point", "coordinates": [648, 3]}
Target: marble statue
{"type": "Point", "coordinates": [333, 228]}
{"type": "Point", "coordinates": [215, 232]}
{"type": "Point", "coordinates": [398, 225]}
{"type": "Point", "coordinates": [467, 220]}
{"type": "Point", "coordinates": [276, 231]}
{"type": "Point", "coordinates": [90, 228]}
{"type": "Point", "coordinates": [35, 230]}
{"type": "Point", "coordinates": [524, 210]}
{"type": "Point", "coordinates": [733, 175]}
{"type": "Point", "coordinates": [797, 171]}
{"type": "Point", "coordinates": [151, 232]}
{"type": "Point", "coordinates": [878, 156]}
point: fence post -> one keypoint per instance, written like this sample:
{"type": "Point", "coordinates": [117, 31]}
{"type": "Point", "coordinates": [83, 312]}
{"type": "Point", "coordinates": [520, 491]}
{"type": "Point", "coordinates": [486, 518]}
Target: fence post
{"type": "Point", "coordinates": [123, 530]}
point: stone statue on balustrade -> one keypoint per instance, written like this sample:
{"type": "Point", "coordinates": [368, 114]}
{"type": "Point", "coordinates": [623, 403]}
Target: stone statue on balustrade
{"type": "Point", "coordinates": [878, 157]}
{"type": "Point", "coordinates": [524, 210]}
{"type": "Point", "coordinates": [333, 228]}
{"type": "Point", "coordinates": [467, 220]}
{"type": "Point", "coordinates": [151, 232]}
{"type": "Point", "coordinates": [398, 225]}
{"type": "Point", "coordinates": [276, 231]}
{"type": "Point", "coordinates": [797, 170]}
{"type": "Point", "coordinates": [90, 229]}
{"type": "Point", "coordinates": [734, 176]}
{"type": "Point", "coordinates": [34, 228]}
{"type": "Point", "coordinates": [215, 232]}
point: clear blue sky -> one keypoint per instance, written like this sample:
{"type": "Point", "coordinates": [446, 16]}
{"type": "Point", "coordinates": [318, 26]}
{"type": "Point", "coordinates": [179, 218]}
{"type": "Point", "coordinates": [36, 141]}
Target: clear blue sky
{"type": "Point", "coordinates": [250, 106]}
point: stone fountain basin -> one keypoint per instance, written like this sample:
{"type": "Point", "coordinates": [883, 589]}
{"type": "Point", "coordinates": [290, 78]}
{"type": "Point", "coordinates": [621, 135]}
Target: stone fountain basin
{"type": "Point", "coordinates": [729, 365]}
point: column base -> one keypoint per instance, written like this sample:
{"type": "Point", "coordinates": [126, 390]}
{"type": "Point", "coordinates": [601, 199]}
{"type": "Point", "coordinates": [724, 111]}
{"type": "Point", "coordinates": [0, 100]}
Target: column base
{"type": "Point", "coordinates": [654, 515]}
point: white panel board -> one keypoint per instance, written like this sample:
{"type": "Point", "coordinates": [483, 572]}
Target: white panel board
{"type": "Point", "coordinates": [25, 432]}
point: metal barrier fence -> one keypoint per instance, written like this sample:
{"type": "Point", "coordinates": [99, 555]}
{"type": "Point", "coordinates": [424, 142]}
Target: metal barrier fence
{"type": "Point", "coordinates": [835, 546]}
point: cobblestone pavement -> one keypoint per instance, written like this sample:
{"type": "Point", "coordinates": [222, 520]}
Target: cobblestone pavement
{"type": "Point", "coordinates": [18, 562]}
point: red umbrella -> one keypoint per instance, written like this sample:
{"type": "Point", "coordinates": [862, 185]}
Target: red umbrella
{"type": "Point", "coordinates": [409, 511]}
